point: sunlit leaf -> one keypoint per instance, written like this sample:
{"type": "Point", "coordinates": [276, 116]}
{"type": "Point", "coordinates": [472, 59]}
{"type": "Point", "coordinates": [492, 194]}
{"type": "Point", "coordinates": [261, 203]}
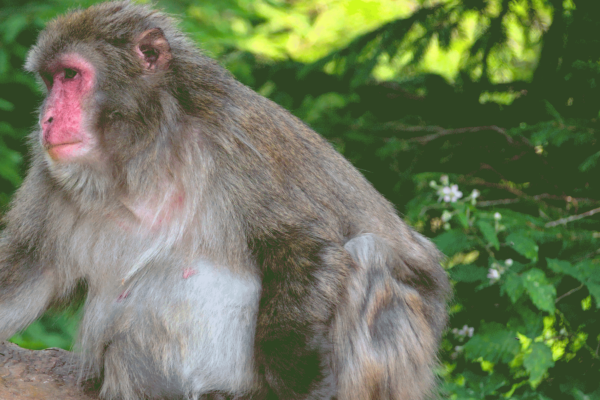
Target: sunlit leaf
{"type": "Point", "coordinates": [494, 343]}
{"type": "Point", "coordinates": [538, 361]}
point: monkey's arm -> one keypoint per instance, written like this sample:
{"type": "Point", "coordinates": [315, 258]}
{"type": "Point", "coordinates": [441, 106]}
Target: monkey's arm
{"type": "Point", "coordinates": [25, 289]}
{"type": "Point", "coordinates": [27, 284]}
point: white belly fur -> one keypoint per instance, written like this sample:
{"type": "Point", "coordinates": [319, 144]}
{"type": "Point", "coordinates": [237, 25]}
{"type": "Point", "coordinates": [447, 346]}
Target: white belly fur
{"type": "Point", "coordinates": [208, 315]}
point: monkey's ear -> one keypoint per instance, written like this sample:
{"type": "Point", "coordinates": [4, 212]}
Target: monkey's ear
{"type": "Point", "coordinates": [154, 50]}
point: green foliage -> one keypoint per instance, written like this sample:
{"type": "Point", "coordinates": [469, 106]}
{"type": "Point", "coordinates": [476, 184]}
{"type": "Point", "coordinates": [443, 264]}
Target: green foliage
{"type": "Point", "coordinates": [537, 362]}
{"type": "Point", "coordinates": [478, 119]}
{"type": "Point", "coordinates": [516, 327]}
{"type": "Point", "coordinates": [52, 330]}
{"type": "Point", "coordinates": [494, 343]}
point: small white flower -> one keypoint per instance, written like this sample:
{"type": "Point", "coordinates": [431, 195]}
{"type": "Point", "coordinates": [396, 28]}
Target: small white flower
{"type": "Point", "coordinates": [473, 196]}
{"type": "Point", "coordinates": [508, 262]}
{"type": "Point", "coordinates": [497, 216]}
{"type": "Point", "coordinates": [450, 193]}
{"type": "Point", "coordinates": [444, 179]}
{"type": "Point", "coordinates": [463, 332]}
{"type": "Point", "coordinates": [493, 274]}
{"type": "Point", "coordinates": [433, 184]}
{"type": "Point", "coordinates": [456, 194]}
{"type": "Point", "coordinates": [446, 216]}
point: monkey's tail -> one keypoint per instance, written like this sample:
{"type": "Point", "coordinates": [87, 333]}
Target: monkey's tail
{"type": "Point", "coordinates": [384, 346]}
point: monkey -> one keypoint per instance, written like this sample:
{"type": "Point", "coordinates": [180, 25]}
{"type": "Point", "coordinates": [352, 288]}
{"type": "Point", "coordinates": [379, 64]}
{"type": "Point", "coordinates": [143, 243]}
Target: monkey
{"type": "Point", "coordinates": [228, 251]}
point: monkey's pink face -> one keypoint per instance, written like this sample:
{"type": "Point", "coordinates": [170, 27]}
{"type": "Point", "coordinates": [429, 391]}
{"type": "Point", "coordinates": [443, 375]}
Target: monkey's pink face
{"type": "Point", "coordinates": [70, 83]}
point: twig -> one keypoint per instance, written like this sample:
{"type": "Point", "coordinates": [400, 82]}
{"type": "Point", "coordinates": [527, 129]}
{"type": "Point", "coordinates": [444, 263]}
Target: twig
{"type": "Point", "coordinates": [413, 128]}
{"type": "Point", "coordinates": [502, 186]}
{"type": "Point", "coordinates": [489, 203]}
{"type": "Point", "coordinates": [568, 293]}
{"type": "Point", "coordinates": [445, 132]}
{"type": "Point", "coordinates": [572, 218]}
{"type": "Point", "coordinates": [588, 255]}
{"type": "Point", "coordinates": [536, 197]}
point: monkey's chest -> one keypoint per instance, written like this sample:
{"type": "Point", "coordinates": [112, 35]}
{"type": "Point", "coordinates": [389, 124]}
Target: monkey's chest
{"type": "Point", "coordinates": [191, 331]}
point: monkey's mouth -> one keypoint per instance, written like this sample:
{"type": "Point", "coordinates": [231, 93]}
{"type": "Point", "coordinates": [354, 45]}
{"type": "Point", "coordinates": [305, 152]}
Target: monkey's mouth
{"type": "Point", "coordinates": [64, 151]}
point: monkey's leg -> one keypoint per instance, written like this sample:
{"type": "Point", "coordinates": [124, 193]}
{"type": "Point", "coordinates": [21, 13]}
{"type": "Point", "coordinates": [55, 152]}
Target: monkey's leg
{"type": "Point", "coordinates": [384, 337]}
{"type": "Point", "coordinates": [303, 278]}
{"type": "Point", "coordinates": [25, 291]}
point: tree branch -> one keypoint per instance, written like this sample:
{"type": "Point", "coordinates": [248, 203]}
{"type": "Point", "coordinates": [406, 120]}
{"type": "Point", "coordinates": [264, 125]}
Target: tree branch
{"type": "Point", "coordinates": [444, 132]}
{"type": "Point", "coordinates": [572, 218]}
{"type": "Point", "coordinates": [568, 199]}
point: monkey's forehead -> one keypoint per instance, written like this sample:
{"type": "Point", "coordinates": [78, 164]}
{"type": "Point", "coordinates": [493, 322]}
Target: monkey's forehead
{"type": "Point", "coordinates": [112, 23]}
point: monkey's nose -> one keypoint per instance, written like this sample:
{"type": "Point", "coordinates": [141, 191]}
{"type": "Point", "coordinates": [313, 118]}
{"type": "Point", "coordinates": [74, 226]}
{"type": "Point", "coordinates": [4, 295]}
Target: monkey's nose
{"type": "Point", "coordinates": [49, 120]}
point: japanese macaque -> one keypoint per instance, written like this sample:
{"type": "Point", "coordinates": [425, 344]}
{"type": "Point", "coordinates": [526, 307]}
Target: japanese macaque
{"type": "Point", "coordinates": [229, 252]}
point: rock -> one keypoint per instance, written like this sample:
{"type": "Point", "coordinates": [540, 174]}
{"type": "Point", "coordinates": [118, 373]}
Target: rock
{"type": "Point", "coordinates": [50, 374]}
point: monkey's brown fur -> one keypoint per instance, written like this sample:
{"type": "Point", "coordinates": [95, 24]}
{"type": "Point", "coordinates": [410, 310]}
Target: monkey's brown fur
{"type": "Point", "coordinates": [203, 180]}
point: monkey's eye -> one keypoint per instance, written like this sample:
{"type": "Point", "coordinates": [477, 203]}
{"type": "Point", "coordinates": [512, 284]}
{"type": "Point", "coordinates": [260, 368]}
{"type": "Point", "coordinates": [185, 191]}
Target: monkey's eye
{"type": "Point", "coordinates": [70, 73]}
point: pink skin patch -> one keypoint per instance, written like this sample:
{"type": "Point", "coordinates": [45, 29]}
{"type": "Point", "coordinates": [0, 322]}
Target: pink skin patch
{"type": "Point", "coordinates": [188, 272]}
{"type": "Point", "coordinates": [123, 296]}
{"type": "Point", "coordinates": [62, 132]}
{"type": "Point", "coordinates": [154, 212]}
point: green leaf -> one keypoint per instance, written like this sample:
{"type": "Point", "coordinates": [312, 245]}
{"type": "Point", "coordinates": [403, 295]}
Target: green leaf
{"type": "Point", "coordinates": [489, 233]}
{"type": "Point", "coordinates": [537, 362]}
{"type": "Point", "coordinates": [483, 386]}
{"type": "Point", "coordinates": [493, 342]}
{"type": "Point", "coordinates": [452, 242]}
{"type": "Point", "coordinates": [4, 62]}
{"type": "Point", "coordinates": [562, 267]}
{"type": "Point", "coordinates": [462, 218]}
{"type": "Point", "coordinates": [552, 111]}
{"type": "Point", "coordinates": [542, 293]}
{"type": "Point", "coordinates": [589, 162]}
{"type": "Point", "coordinates": [584, 271]}
{"type": "Point", "coordinates": [579, 395]}
{"type": "Point", "coordinates": [594, 290]}
{"type": "Point", "coordinates": [6, 105]}
{"type": "Point", "coordinates": [13, 26]}
{"type": "Point", "coordinates": [528, 321]}
{"type": "Point", "coordinates": [523, 245]}
{"type": "Point", "coordinates": [513, 286]}
{"type": "Point", "coordinates": [468, 273]}
{"type": "Point", "coordinates": [9, 162]}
